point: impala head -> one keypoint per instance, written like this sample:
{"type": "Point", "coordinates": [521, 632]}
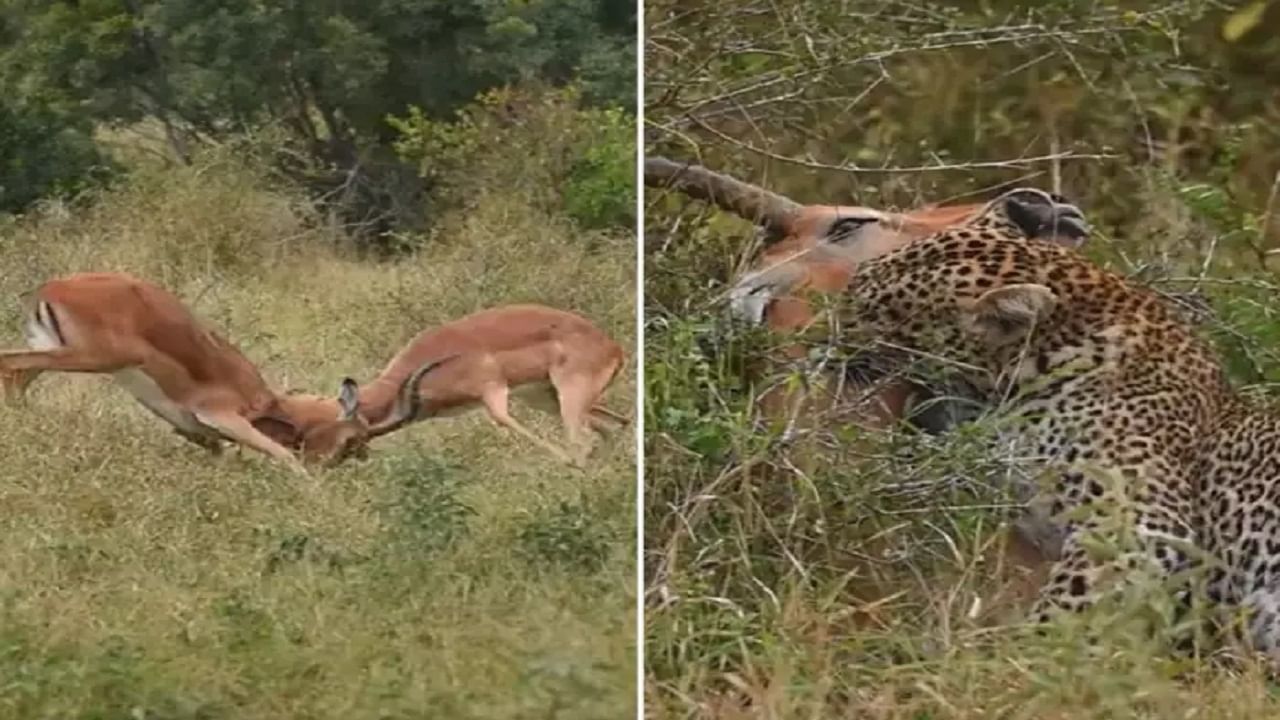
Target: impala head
{"type": "Point", "coordinates": [812, 246]}
{"type": "Point", "coordinates": [825, 244]}
{"type": "Point", "coordinates": [328, 431]}
{"type": "Point", "coordinates": [852, 234]}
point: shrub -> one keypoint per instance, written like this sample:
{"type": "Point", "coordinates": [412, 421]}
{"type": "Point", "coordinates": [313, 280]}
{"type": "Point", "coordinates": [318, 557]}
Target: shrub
{"type": "Point", "coordinates": [529, 143]}
{"type": "Point", "coordinates": [599, 190]}
{"type": "Point", "coordinates": [571, 535]}
{"type": "Point", "coordinates": [426, 512]}
{"type": "Point", "coordinates": [43, 155]}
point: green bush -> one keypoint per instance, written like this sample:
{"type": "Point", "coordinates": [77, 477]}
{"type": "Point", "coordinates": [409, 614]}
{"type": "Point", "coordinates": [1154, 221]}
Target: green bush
{"type": "Point", "coordinates": [599, 191]}
{"type": "Point", "coordinates": [427, 512]}
{"type": "Point", "coordinates": [43, 154]}
{"type": "Point", "coordinates": [568, 534]}
{"type": "Point", "coordinates": [530, 143]}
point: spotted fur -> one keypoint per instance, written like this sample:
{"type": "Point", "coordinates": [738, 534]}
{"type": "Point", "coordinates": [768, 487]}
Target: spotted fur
{"type": "Point", "coordinates": [1113, 389]}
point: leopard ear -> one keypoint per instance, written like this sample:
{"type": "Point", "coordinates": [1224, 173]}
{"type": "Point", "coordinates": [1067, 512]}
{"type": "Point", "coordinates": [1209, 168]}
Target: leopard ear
{"type": "Point", "coordinates": [1008, 314]}
{"type": "Point", "coordinates": [1047, 217]}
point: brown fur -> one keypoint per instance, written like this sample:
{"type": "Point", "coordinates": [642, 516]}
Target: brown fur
{"type": "Point", "coordinates": [798, 264]}
{"type": "Point", "coordinates": [142, 324]}
{"type": "Point", "coordinates": [798, 273]}
{"type": "Point", "coordinates": [506, 348]}
{"type": "Point", "coordinates": [811, 273]}
{"type": "Point", "coordinates": [112, 321]}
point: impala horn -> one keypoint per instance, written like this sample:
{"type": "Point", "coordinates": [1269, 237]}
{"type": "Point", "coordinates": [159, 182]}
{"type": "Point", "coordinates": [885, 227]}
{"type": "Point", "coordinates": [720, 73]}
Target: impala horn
{"type": "Point", "coordinates": [408, 401]}
{"type": "Point", "coordinates": [772, 211]}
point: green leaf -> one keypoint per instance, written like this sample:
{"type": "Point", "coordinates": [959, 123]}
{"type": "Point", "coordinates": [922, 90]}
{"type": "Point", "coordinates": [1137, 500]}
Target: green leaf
{"type": "Point", "coordinates": [1240, 22]}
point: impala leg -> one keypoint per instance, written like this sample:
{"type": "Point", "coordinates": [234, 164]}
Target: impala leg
{"type": "Point", "coordinates": [18, 368]}
{"type": "Point", "coordinates": [600, 419]}
{"type": "Point", "coordinates": [237, 428]}
{"type": "Point", "coordinates": [63, 359]}
{"type": "Point", "coordinates": [579, 392]}
{"type": "Point", "coordinates": [575, 411]}
{"type": "Point", "coordinates": [16, 383]}
{"type": "Point", "coordinates": [605, 412]}
{"type": "Point", "coordinates": [495, 399]}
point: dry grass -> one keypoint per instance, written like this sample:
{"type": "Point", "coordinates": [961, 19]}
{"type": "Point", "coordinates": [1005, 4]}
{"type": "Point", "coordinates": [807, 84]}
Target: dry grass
{"type": "Point", "coordinates": [780, 586]}
{"type": "Point", "coordinates": [854, 576]}
{"type": "Point", "coordinates": [458, 573]}
{"type": "Point", "coordinates": [869, 579]}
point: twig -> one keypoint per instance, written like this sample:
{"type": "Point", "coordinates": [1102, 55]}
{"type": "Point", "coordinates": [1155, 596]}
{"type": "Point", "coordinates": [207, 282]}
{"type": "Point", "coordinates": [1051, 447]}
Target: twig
{"type": "Point", "coordinates": [1015, 163]}
{"type": "Point", "coordinates": [1268, 214]}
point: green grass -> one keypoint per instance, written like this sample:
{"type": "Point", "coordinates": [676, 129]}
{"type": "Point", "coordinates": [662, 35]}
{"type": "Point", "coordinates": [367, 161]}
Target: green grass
{"type": "Point", "coordinates": [458, 573]}
{"type": "Point", "coordinates": [839, 577]}
{"type": "Point", "coordinates": [842, 577]}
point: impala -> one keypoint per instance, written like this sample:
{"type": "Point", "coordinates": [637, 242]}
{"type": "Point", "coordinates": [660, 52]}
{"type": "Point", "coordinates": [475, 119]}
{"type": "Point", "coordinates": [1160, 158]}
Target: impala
{"type": "Point", "coordinates": [814, 249]}
{"type": "Point", "coordinates": [188, 375]}
{"type": "Point", "coordinates": [555, 360]}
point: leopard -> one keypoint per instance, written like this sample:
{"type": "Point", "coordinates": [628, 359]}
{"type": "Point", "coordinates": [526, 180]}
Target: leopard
{"type": "Point", "coordinates": [1113, 391]}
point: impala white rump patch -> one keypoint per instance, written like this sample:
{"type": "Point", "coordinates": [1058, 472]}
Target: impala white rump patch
{"type": "Point", "coordinates": [146, 391]}
{"type": "Point", "coordinates": [42, 333]}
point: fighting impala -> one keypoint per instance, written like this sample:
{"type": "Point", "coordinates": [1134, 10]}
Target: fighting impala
{"type": "Point", "coordinates": [188, 375]}
{"type": "Point", "coordinates": [557, 361]}
{"type": "Point", "coordinates": [814, 250]}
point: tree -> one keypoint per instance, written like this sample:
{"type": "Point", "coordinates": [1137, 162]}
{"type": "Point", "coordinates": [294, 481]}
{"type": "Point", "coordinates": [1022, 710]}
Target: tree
{"type": "Point", "coordinates": [329, 71]}
{"type": "Point", "coordinates": [41, 154]}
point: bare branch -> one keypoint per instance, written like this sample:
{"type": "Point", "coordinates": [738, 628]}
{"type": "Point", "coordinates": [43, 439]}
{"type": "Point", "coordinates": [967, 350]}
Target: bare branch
{"type": "Point", "coordinates": [1020, 163]}
{"type": "Point", "coordinates": [1267, 215]}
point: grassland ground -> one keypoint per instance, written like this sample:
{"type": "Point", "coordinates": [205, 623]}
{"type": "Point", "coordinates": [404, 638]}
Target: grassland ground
{"type": "Point", "coordinates": [458, 573]}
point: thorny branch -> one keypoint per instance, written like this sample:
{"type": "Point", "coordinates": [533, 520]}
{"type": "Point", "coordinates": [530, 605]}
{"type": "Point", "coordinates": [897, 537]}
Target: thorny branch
{"type": "Point", "coordinates": [1020, 163]}
{"type": "Point", "coordinates": [678, 103]}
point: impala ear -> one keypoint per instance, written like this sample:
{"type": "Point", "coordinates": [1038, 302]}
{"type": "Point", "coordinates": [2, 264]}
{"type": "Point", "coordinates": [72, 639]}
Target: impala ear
{"type": "Point", "coordinates": [348, 399]}
{"type": "Point", "coordinates": [278, 429]}
{"type": "Point", "coordinates": [1008, 314]}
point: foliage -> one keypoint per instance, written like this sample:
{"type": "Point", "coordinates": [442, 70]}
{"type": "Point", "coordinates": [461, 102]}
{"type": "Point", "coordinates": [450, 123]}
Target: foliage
{"type": "Point", "coordinates": [220, 66]}
{"type": "Point", "coordinates": [43, 155]}
{"type": "Point", "coordinates": [1244, 20]}
{"type": "Point", "coordinates": [573, 535]}
{"type": "Point", "coordinates": [600, 189]}
{"type": "Point", "coordinates": [328, 73]}
{"type": "Point", "coordinates": [427, 507]}
{"type": "Point", "coordinates": [839, 573]}
{"type": "Point", "coordinates": [575, 159]}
